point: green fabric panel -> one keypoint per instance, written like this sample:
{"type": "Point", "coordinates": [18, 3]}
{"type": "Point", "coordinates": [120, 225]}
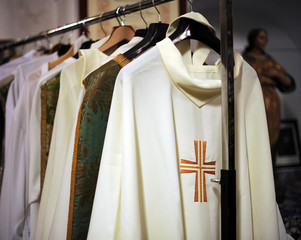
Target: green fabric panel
{"type": "Point", "coordinates": [4, 90]}
{"type": "Point", "coordinates": [50, 90]}
{"type": "Point", "coordinates": [93, 123]}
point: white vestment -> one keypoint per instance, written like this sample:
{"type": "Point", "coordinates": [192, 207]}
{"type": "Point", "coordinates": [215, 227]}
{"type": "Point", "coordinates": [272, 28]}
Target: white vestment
{"type": "Point", "coordinates": [163, 145]}
{"type": "Point", "coordinates": [59, 225]}
{"type": "Point", "coordinates": [14, 209]}
{"type": "Point", "coordinates": [11, 66]}
{"type": "Point", "coordinates": [21, 74]}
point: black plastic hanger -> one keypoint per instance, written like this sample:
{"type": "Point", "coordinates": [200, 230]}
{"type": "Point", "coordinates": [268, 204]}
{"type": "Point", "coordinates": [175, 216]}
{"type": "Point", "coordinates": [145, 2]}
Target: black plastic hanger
{"type": "Point", "coordinates": [155, 33]}
{"type": "Point", "coordinates": [140, 32]}
{"type": "Point", "coordinates": [190, 29]}
{"type": "Point", "coordinates": [85, 45]}
{"type": "Point", "coordinates": [60, 48]}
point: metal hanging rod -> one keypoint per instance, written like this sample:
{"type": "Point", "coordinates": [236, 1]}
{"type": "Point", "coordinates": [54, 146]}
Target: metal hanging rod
{"type": "Point", "coordinates": [85, 22]}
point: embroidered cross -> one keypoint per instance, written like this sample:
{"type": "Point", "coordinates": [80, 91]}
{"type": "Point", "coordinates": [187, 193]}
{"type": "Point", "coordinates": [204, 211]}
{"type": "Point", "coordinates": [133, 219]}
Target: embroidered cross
{"type": "Point", "coordinates": [200, 168]}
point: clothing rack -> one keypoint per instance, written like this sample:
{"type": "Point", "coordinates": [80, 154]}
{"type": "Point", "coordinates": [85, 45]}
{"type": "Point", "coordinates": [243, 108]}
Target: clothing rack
{"type": "Point", "coordinates": [228, 178]}
{"type": "Point", "coordinates": [85, 22]}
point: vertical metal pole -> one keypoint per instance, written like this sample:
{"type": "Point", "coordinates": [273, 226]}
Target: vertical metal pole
{"type": "Point", "coordinates": [228, 174]}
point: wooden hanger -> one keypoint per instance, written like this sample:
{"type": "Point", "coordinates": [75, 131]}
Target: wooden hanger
{"type": "Point", "coordinates": [61, 59]}
{"type": "Point", "coordinates": [119, 33]}
{"type": "Point", "coordinates": [71, 52]}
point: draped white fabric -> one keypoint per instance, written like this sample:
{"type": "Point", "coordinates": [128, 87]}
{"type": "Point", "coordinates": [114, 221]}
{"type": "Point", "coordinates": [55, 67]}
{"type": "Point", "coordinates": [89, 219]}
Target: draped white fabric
{"type": "Point", "coordinates": [163, 144]}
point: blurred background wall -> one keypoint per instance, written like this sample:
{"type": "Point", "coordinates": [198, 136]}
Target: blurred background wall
{"type": "Point", "coordinates": [282, 20]}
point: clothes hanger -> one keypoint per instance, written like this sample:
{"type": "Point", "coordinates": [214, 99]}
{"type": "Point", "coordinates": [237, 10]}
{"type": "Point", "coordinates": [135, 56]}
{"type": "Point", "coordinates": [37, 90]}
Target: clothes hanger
{"type": "Point", "coordinates": [141, 32]}
{"type": "Point", "coordinates": [101, 26]}
{"type": "Point", "coordinates": [61, 48]}
{"type": "Point", "coordinates": [85, 32]}
{"type": "Point", "coordinates": [85, 44]}
{"type": "Point", "coordinates": [70, 53]}
{"type": "Point", "coordinates": [102, 29]}
{"type": "Point", "coordinates": [61, 59]}
{"type": "Point", "coordinates": [190, 29]}
{"type": "Point", "coordinates": [119, 34]}
{"type": "Point", "coordinates": [155, 33]}
{"type": "Point", "coordinates": [43, 45]}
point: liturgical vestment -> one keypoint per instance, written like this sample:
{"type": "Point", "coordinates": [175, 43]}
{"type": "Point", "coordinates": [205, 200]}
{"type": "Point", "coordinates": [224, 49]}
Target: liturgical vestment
{"type": "Point", "coordinates": [163, 145]}
{"type": "Point", "coordinates": [14, 213]}
{"type": "Point", "coordinates": [61, 215]}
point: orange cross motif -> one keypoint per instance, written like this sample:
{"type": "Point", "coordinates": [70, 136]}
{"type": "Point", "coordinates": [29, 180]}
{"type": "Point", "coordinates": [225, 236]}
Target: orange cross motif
{"type": "Point", "coordinates": [200, 168]}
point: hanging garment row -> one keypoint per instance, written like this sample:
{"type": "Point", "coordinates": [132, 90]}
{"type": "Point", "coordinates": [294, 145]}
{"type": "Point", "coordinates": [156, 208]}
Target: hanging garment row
{"type": "Point", "coordinates": [123, 146]}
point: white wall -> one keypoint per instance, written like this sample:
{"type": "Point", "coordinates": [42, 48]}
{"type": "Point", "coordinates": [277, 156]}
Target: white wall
{"type": "Point", "coordinates": [20, 18]}
{"type": "Point", "coordinates": [5, 16]}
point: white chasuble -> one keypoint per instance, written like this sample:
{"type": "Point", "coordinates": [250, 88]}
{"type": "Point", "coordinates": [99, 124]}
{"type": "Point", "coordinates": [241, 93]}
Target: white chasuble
{"type": "Point", "coordinates": [60, 218]}
{"type": "Point", "coordinates": [163, 145]}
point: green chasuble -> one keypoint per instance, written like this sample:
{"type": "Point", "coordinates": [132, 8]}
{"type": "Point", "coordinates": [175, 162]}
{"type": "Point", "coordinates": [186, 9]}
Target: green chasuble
{"type": "Point", "coordinates": [49, 98]}
{"type": "Point", "coordinates": [89, 138]}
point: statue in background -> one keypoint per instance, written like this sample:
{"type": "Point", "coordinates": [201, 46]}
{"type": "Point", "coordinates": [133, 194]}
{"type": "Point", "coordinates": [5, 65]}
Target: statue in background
{"type": "Point", "coordinates": [271, 76]}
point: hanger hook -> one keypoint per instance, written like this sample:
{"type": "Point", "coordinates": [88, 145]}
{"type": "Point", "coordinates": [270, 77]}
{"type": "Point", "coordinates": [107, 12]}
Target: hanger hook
{"type": "Point", "coordinates": [101, 26]}
{"type": "Point", "coordinates": [190, 5]}
{"type": "Point", "coordinates": [70, 36]}
{"type": "Point", "coordinates": [157, 10]}
{"type": "Point", "coordinates": [61, 38]}
{"type": "Point", "coordinates": [85, 29]}
{"type": "Point", "coordinates": [117, 15]}
{"type": "Point", "coordinates": [49, 44]}
{"type": "Point", "coordinates": [122, 19]}
{"type": "Point", "coordinates": [142, 15]}
{"type": "Point", "coordinates": [23, 47]}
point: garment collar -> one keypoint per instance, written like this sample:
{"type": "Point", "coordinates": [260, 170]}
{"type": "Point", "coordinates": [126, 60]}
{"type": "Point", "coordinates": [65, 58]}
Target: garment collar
{"type": "Point", "coordinates": [197, 17]}
{"type": "Point", "coordinates": [199, 83]}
